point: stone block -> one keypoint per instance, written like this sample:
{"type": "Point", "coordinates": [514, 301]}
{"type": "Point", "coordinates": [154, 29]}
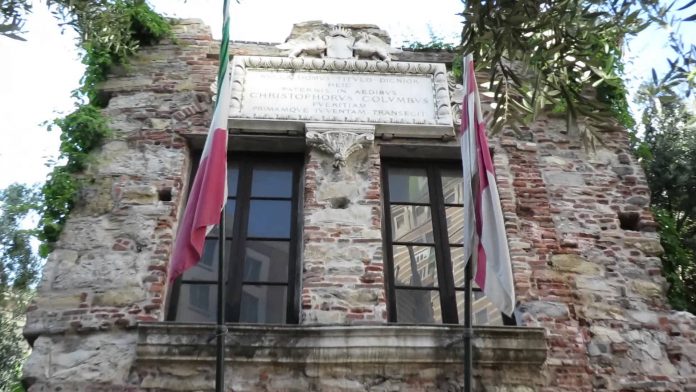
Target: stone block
{"type": "Point", "coordinates": [118, 297]}
{"type": "Point", "coordinates": [139, 194]}
{"type": "Point", "coordinates": [85, 233]}
{"type": "Point", "coordinates": [134, 83]}
{"type": "Point", "coordinates": [575, 264]}
{"type": "Point", "coordinates": [353, 215]}
{"type": "Point", "coordinates": [158, 123]}
{"type": "Point", "coordinates": [595, 285]}
{"type": "Point", "coordinates": [92, 358]}
{"type": "Point", "coordinates": [95, 198]}
{"type": "Point", "coordinates": [546, 308]}
{"type": "Point", "coordinates": [644, 316]}
{"type": "Point", "coordinates": [102, 269]}
{"type": "Point", "coordinates": [601, 311]}
{"type": "Point", "coordinates": [649, 246]}
{"type": "Point", "coordinates": [331, 190]}
{"type": "Point", "coordinates": [646, 289]}
{"type": "Point", "coordinates": [564, 179]}
{"type": "Point", "coordinates": [622, 170]}
{"type": "Point", "coordinates": [147, 162]}
{"type": "Point", "coordinates": [638, 200]}
{"type": "Point", "coordinates": [57, 301]}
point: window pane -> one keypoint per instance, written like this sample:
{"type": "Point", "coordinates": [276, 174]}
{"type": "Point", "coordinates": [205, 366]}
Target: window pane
{"type": "Point", "coordinates": [229, 219]}
{"type": "Point", "coordinates": [207, 267]}
{"type": "Point", "coordinates": [455, 224]}
{"type": "Point", "coordinates": [269, 219]}
{"type": "Point", "coordinates": [415, 266]}
{"type": "Point", "coordinates": [409, 185]}
{"type": "Point", "coordinates": [263, 304]}
{"type": "Point", "coordinates": [197, 303]}
{"type": "Point", "coordinates": [266, 261]}
{"type": "Point", "coordinates": [232, 179]}
{"type": "Point", "coordinates": [482, 310]}
{"type": "Point", "coordinates": [452, 186]}
{"type": "Point", "coordinates": [418, 306]}
{"type": "Point", "coordinates": [271, 182]}
{"type": "Point", "coordinates": [411, 223]}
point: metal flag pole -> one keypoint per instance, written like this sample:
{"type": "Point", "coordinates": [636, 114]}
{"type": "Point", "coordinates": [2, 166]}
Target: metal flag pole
{"type": "Point", "coordinates": [221, 330]}
{"type": "Point", "coordinates": [468, 331]}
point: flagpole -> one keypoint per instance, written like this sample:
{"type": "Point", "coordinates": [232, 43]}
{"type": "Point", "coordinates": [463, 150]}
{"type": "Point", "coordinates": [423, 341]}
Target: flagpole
{"type": "Point", "coordinates": [221, 331]}
{"type": "Point", "coordinates": [468, 331]}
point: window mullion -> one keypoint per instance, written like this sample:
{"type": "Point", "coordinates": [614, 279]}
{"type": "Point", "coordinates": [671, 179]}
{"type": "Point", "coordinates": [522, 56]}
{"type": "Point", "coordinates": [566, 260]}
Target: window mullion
{"type": "Point", "coordinates": [237, 253]}
{"type": "Point", "coordinates": [389, 249]}
{"type": "Point", "coordinates": [448, 297]}
{"type": "Point", "coordinates": [292, 296]}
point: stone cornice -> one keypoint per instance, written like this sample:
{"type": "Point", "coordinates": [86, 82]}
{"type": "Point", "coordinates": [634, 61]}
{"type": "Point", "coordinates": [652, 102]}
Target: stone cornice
{"type": "Point", "coordinates": [378, 344]}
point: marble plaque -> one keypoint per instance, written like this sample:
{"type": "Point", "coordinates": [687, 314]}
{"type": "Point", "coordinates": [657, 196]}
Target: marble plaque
{"type": "Point", "coordinates": [398, 97]}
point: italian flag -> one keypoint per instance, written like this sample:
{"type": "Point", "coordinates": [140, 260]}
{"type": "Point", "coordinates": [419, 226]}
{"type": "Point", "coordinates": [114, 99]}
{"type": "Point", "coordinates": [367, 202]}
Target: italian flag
{"type": "Point", "coordinates": [209, 192]}
{"type": "Point", "coordinates": [485, 241]}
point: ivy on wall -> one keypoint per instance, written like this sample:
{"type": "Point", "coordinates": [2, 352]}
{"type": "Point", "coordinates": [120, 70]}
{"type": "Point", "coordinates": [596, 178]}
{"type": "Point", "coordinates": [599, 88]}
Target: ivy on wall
{"type": "Point", "coordinates": [110, 32]}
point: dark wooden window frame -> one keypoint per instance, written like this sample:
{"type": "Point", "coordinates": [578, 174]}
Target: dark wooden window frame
{"type": "Point", "coordinates": [446, 287]}
{"type": "Point", "coordinates": [235, 243]}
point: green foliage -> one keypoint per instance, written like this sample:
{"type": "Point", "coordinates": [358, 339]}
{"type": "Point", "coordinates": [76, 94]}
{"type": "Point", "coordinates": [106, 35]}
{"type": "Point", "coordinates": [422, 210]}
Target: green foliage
{"type": "Point", "coordinates": [81, 132]}
{"type": "Point", "coordinates": [667, 151]}
{"type": "Point", "coordinates": [13, 348]}
{"type": "Point", "coordinates": [19, 272]}
{"type": "Point", "coordinates": [110, 32]}
{"type": "Point", "coordinates": [555, 53]}
{"type": "Point", "coordinates": [436, 43]}
{"type": "Point", "coordinates": [59, 194]}
{"type": "Point", "coordinates": [18, 264]}
{"type": "Point", "coordinates": [678, 262]}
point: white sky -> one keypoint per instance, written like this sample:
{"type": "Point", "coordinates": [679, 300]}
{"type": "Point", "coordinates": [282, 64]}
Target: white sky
{"type": "Point", "coordinates": [37, 76]}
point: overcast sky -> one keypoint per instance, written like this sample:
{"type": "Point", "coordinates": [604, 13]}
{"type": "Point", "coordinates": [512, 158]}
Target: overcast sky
{"type": "Point", "coordinates": [37, 76]}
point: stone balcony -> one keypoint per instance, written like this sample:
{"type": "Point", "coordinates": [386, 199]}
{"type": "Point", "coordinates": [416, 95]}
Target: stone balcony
{"type": "Point", "coordinates": [343, 358]}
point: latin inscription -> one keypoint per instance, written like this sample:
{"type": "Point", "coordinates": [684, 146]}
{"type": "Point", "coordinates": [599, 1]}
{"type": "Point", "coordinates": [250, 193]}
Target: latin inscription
{"type": "Point", "coordinates": [340, 96]}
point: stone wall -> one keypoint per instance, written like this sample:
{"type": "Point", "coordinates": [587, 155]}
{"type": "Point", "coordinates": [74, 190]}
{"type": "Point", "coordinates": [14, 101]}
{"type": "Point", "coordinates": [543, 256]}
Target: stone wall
{"type": "Point", "coordinates": [343, 219]}
{"type": "Point", "coordinates": [586, 263]}
{"type": "Point", "coordinates": [107, 272]}
{"type": "Point", "coordinates": [583, 242]}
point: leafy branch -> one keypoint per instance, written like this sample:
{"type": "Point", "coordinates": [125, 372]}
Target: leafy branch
{"type": "Point", "coordinates": [558, 54]}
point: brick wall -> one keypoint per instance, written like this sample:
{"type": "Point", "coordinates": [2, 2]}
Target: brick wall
{"type": "Point", "coordinates": [583, 243]}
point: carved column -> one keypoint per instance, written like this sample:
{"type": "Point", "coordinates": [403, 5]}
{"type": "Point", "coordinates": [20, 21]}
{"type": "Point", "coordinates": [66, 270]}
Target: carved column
{"type": "Point", "coordinates": [343, 278]}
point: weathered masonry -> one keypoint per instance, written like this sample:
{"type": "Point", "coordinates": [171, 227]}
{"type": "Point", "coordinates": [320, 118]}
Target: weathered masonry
{"type": "Point", "coordinates": [344, 235]}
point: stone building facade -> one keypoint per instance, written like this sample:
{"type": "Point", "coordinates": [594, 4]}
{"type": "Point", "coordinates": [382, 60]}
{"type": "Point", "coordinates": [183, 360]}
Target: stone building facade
{"type": "Point", "coordinates": [592, 313]}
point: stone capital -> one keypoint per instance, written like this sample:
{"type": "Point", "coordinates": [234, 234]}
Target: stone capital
{"type": "Point", "coordinates": [339, 140]}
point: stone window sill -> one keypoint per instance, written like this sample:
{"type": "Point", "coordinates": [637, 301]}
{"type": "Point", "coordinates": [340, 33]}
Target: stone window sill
{"type": "Point", "coordinates": [326, 344]}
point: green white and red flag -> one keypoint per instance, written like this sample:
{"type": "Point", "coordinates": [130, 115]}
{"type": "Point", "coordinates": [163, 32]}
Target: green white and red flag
{"type": "Point", "coordinates": [209, 191]}
{"type": "Point", "coordinates": [485, 240]}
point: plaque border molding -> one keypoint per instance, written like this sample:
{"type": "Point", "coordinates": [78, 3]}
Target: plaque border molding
{"type": "Point", "coordinates": [437, 72]}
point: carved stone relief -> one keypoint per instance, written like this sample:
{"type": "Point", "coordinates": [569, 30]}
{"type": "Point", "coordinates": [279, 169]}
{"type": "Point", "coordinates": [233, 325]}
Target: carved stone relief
{"type": "Point", "coordinates": [341, 44]}
{"type": "Point", "coordinates": [339, 140]}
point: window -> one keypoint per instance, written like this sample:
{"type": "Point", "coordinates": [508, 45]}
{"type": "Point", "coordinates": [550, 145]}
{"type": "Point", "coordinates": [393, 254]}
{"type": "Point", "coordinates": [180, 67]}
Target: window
{"type": "Point", "coordinates": [261, 239]}
{"type": "Point", "coordinates": [424, 218]}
